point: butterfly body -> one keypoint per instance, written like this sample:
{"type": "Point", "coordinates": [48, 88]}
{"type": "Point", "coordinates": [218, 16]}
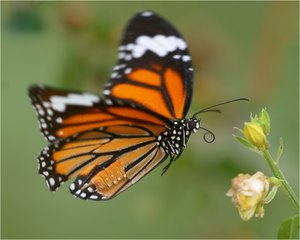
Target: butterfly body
{"type": "Point", "coordinates": [108, 143]}
{"type": "Point", "coordinates": [175, 139]}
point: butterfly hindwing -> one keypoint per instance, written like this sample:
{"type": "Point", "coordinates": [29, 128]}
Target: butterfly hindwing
{"type": "Point", "coordinates": [106, 160]}
{"type": "Point", "coordinates": [154, 69]}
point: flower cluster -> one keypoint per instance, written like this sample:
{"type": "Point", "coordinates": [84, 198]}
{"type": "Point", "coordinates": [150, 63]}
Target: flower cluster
{"type": "Point", "coordinates": [250, 193]}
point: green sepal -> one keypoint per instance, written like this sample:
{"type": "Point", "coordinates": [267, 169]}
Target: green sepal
{"type": "Point", "coordinates": [265, 121]}
{"type": "Point", "coordinates": [240, 130]}
{"type": "Point", "coordinates": [271, 194]}
{"type": "Point", "coordinates": [246, 143]}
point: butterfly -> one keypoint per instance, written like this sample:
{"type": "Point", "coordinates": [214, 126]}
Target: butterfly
{"type": "Point", "coordinates": [108, 143]}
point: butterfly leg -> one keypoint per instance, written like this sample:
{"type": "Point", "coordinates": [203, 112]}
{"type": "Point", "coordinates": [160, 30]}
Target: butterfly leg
{"type": "Point", "coordinates": [168, 165]}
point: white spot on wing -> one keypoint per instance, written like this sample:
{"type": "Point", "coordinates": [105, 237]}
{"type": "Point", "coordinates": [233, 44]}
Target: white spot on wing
{"type": "Point", "coordinates": [121, 55]}
{"type": "Point", "coordinates": [93, 197]}
{"type": "Point", "coordinates": [159, 44]}
{"type": "Point", "coordinates": [146, 14]}
{"type": "Point", "coordinates": [72, 186]}
{"type": "Point", "coordinates": [59, 103]}
{"type": "Point", "coordinates": [51, 138]}
{"type": "Point", "coordinates": [46, 104]}
{"type": "Point", "coordinates": [108, 102]}
{"type": "Point", "coordinates": [138, 51]}
{"type": "Point", "coordinates": [129, 46]}
{"type": "Point", "coordinates": [59, 120]}
{"type": "Point", "coordinates": [51, 181]}
{"type": "Point", "coordinates": [127, 70]}
{"type": "Point", "coordinates": [114, 74]}
{"type": "Point", "coordinates": [151, 45]}
{"type": "Point", "coordinates": [128, 57]}
{"type": "Point", "coordinates": [181, 44]}
{"type": "Point", "coordinates": [186, 58]}
{"type": "Point", "coordinates": [170, 46]}
{"type": "Point", "coordinates": [106, 92]}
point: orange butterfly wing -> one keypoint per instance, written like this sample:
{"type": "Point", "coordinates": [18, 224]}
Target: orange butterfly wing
{"type": "Point", "coordinates": [62, 113]}
{"type": "Point", "coordinates": [106, 161]}
{"type": "Point", "coordinates": [154, 70]}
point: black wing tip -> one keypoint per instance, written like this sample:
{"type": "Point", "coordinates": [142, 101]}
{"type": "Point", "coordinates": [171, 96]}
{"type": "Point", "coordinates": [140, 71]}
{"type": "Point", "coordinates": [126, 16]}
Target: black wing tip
{"type": "Point", "coordinates": [82, 190]}
{"type": "Point", "coordinates": [35, 89]}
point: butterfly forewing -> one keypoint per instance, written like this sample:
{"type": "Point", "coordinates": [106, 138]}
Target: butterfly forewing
{"type": "Point", "coordinates": [154, 69]}
{"type": "Point", "coordinates": [63, 113]}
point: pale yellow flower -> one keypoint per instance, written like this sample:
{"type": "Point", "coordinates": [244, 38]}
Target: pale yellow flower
{"type": "Point", "coordinates": [248, 194]}
{"type": "Point", "coordinates": [254, 133]}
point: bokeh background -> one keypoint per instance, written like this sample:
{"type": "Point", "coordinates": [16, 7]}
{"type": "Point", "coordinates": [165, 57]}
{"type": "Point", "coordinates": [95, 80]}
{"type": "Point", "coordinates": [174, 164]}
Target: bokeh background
{"type": "Point", "coordinates": [239, 49]}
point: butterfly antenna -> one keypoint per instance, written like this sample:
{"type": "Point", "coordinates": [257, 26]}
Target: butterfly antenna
{"type": "Point", "coordinates": [210, 109]}
{"type": "Point", "coordinates": [210, 133]}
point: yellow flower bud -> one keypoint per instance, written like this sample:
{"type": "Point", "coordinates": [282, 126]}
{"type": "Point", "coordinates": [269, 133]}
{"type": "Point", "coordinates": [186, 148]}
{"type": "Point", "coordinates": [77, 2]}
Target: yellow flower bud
{"type": "Point", "coordinates": [248, 194]}
{"type": "Point", "coordinates": [255, 134]}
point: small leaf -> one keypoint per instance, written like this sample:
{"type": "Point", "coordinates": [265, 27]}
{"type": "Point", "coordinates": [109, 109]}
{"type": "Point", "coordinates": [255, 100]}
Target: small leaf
{"type": "Point", "coordinates": [279, 151]}
{"type": "Point", "coordinates": [289, 228]}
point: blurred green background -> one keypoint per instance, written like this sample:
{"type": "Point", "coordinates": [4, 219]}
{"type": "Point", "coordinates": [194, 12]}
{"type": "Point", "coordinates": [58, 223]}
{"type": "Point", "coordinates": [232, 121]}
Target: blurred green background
{"type": "Point", "coordinates": [239, 49]}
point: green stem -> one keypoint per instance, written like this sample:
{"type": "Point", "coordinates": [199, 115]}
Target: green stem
{"type": "Point", "coordinates": [278, 174]}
